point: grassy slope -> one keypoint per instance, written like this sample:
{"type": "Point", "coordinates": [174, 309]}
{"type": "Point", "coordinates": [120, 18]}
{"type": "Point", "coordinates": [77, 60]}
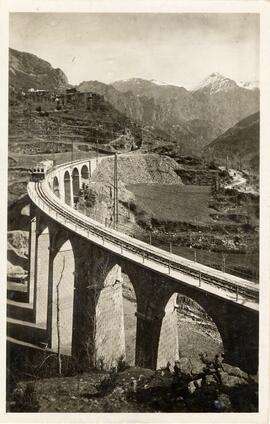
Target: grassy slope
{"type": "Point", "coordinates": [177, 203]}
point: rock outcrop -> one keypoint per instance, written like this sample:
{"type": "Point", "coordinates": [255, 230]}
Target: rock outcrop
{"type": "Point", "coordinates": [137, 389]}
{"type": "Point", "coordinates": [134, 169]}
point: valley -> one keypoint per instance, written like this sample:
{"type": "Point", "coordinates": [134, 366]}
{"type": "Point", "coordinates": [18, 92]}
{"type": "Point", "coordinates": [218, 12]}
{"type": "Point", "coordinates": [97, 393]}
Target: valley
{"type": "Point", "coordinates": [167, 179]}
{"type": "Point", "coordinates": [188, 179]}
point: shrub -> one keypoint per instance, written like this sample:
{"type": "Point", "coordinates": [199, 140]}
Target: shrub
{"type": "Point", "coordinates": [90, 198]}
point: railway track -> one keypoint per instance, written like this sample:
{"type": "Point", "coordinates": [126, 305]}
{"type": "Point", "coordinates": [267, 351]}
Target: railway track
{"type": "Point", "coordinates": [64, 214]}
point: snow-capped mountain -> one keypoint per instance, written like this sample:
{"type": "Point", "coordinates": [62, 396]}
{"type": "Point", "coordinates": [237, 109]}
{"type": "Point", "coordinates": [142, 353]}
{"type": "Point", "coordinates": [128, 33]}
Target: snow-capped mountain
{"type": "Point", "coordinates": [154, 81]}
{"type": "Point", "coordinates": [215, 83]}
{"type": "Point", "coordinates": [223, 100]}
{"type": "Point", "coordinates": [216, 104]}
{"type": "Point", "coordinates": [249, 85]}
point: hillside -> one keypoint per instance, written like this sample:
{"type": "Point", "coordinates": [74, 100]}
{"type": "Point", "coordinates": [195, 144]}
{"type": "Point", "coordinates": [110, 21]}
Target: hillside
{"type": "Point", "coordinates": [29, 71]}
{"type": "Point", "coordinates": [241, 142]}
{"type": "Point", "coordinates": [126, 103]}
{"type": "Point", "coordinates": [150, 89]}
{"type": "Point", "coordinates": [170, 113]}
{"type": "Point", "coordinates": [38, 130]}
{"type": "Point", "coordinates": [160, 119]}
{"type": "Point", "coordinates": [39, 121]}
{"type": "Point", "coordinates": [35, 135]}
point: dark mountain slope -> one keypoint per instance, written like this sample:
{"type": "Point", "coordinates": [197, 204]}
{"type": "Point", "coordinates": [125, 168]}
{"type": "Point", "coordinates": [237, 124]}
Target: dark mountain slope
{"type": "Point", "coordinates": [172, 112]}
{"type": "Point", "coordinates": [241, 141]}
{"type": "Point", "coordinates": [29, 71]}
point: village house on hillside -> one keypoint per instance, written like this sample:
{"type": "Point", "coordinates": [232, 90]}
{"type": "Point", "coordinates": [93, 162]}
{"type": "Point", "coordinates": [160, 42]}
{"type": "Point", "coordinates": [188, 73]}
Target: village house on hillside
{"type": "Point", "coordinates": [86, 100]}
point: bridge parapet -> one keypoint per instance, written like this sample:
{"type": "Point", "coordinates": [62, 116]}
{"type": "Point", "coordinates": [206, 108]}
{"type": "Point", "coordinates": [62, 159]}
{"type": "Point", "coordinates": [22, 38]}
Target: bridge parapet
{"type": "Point", "coordinates": [202, 277]}
{"type": "Point", "coordinates": [67, 245]}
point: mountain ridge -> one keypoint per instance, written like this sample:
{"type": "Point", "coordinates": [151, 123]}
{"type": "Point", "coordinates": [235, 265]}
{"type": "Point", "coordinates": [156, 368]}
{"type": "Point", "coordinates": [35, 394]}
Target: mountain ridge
{"type": "Point", "coordinates": [190, 118]}
{"type": "Point", "coordinates": [219, 101]}
{"type": "Point", "coordinates": [215, 82]}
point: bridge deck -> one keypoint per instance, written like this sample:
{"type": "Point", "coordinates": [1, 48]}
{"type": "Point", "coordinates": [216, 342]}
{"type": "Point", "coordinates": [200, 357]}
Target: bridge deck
{"type": "Point", "coordinates": [180, 269]}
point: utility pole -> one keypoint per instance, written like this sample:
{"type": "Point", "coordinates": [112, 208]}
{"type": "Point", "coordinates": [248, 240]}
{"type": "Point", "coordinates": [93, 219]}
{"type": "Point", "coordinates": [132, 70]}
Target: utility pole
{"type": "Point", "coordinates": [72, 151]}
{"type": "Point", "coordinates": [129, 210]}
{"type": "Point", "coordinates": [97, 149]}
{"type": "Point", "coordinates": [223, 262]}
{"type": "Point", "coordinates": [227, 163]}
{"type": "Point", "coordinates": [115, 189]}
{"type": "Point", "coordinates": [217, 182]}
{"type": "Point", "coordinates": [91, 102]}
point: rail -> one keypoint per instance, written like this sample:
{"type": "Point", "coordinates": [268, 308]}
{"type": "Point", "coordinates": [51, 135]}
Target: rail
{"type": "Point", "coordinates": [46, 200]}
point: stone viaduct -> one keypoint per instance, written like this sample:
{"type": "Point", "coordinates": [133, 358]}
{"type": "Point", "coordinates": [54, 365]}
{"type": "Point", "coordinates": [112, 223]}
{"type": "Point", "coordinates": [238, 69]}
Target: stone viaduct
{"type": "Point", "coordinates": [75, 286]}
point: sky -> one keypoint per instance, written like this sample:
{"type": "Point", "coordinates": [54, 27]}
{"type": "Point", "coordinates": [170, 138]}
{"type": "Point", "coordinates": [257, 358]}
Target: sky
{"type": "Point", "coordinates": [180, 49]}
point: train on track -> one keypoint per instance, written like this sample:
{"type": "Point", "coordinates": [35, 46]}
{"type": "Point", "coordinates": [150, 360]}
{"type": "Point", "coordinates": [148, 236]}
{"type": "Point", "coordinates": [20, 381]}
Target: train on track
{"type": "Point", "coordinates": [39, 171]}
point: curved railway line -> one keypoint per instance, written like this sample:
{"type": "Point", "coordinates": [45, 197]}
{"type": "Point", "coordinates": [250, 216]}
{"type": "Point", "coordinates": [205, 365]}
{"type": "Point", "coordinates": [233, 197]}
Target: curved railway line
{"type": "Point", "coordinates": [42, 195]}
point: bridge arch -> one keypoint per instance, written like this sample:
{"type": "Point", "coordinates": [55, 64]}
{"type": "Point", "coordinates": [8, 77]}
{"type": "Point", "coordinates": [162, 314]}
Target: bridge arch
{"type": "Point", "coordinates": [67, 188]}
{"type": "Point", "coordinates": [187, 330]}
{"type": "Point", "coordinates": [56, 188]}
{"type": "Point", "coordinates": [75, 181]}
{"type": "Point", "coordinates": [101, 333]}
{"type": "Point", "coordinates": [236, 321]}
{"type": "Point", "coordinates": [85, 173]}
{"type": "Point", "coordinates": [157, 340]}
{"type": "Point", "coordinates": [238, 332]}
